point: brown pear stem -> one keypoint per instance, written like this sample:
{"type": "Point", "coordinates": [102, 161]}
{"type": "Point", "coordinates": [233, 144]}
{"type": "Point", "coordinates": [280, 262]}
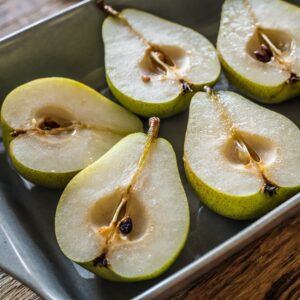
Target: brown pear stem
{"type": "Point", "coordinates": [107, 8]}
{"type": "Point", "coordinates": [208, 90]}
{"type": "Point", "coordinates": [154, 124]}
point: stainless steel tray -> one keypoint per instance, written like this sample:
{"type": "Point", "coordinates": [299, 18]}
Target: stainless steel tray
{"type": "Point", "coordinates": [69, 44]}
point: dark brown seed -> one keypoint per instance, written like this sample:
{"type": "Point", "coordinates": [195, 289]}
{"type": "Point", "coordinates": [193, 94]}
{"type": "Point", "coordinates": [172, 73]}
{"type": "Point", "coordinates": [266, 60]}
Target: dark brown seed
{"type": "Point", "coordinates": [270, 189]}
{"type": "Point", "coordinates": [101, 261]}
{"type": "Point", "coordinates": [294, 78]}
{"type": "Point", "coordinates": [146, 78]}
{"type": "Point", "coordinates": [186, 88]}
{"type": "Point", "coordinates": [126, 225]}
{"type": "Point", "coordinates": [262, 57]}
{"type": "Point", "coordinates": [48, 125]}
{"type": "Point", "coordinates": [266, 50]}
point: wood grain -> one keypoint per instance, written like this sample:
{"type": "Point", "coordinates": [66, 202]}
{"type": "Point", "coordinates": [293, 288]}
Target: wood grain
{"type": "Point", "coordinates": [15, 14]}
{"type": "Point", "coordinates": [268, 269]}
{"type": "Point", "coordinates": [11, 289]}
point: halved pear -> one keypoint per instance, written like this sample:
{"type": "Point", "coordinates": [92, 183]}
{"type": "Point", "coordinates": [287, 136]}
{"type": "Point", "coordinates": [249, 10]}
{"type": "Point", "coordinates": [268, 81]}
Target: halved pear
{"type": "Point", "coordinates": [241, 159]}
{"type": "Point", "coordinates": [259, 47]}
{"type": "Point", "coordinates": [54, 127]}
{"type": "Point", "coordinates": [126, 216]}
{"type": "Point", "coordinates": [154, 66]}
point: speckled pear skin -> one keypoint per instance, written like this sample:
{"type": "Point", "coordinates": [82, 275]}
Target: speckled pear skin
{"type": "Point", "coordinates": [161, 110]}
{"type": "Point", "coordinates": [261, 93]}
{"type": "Point", "coordinates": [237, 207]}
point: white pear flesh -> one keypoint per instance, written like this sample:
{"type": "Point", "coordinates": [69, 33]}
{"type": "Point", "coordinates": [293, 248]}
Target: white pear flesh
{"type": "Point", "coordinates": [126, 62]}
{"type": "Point", "coordinates": [100, 123]}
{"type": "Point", "coordinates": [238, 39]}
{"type": "Point", "coordinates": [219, 175]}
{"type": "Point", "coordinates": [157, 206]}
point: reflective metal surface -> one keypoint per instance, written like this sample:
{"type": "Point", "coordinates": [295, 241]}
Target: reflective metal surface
{"type": "Point", "coordinates": [70, 45]}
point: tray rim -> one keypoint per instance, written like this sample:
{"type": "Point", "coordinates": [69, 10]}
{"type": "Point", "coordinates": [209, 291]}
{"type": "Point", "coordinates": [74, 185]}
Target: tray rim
{"type": "Point", "coordinates": [188, 274]}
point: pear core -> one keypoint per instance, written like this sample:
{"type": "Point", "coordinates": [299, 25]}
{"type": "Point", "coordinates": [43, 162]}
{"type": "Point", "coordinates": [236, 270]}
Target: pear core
{"type": "Point", "coordinates": [121, 223]}
{"type": "Point", "coordinates": [252, 152]}
{"type": "Point", "coordinates": [280, 39]}
{"type": "Point", "coordinates": [162, 61]}
{"type": "Point", "coordinates": [276, 45]}
{"type": "Point", "coordinates": [165, 60]}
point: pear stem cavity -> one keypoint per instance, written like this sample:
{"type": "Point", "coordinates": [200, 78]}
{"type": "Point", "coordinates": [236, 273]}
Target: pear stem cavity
{"type": "Point", "coordinates": [245, 153]}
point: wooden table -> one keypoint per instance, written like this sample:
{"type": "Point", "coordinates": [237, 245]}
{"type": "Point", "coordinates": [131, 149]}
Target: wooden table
{"type": "Point", "coordinates": [268, 268]}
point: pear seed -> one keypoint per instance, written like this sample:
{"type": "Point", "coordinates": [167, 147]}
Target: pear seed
{"type": "Point", "coordinates": [49, 124]}
{"type": "Point", "coordinates": [265, 49]}
{"type": "Point", "coordinates": [264, 58]}
{"type": "Point", "coordinates": [146, 78]}
{"type": "Point", "coordinates": [126, 225]}
{"type": "Point", "coordinates": [265, 55]}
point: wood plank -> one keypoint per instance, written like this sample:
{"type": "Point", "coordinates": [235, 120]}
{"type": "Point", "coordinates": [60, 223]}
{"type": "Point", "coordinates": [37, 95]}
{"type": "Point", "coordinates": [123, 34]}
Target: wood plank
{"type": "Point", "coordinates": [15, 14]}
{"type": "Point", "coordinates": [269, 269]}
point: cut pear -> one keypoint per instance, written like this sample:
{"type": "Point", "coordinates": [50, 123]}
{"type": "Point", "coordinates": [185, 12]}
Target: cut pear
{"type": "Point", "coordinates": [259, 48]}
{"type": "Point", "coordinates": [54, 127]}
{"type": "Point", "coordinates": [241, 159]}
{"type": "Point", "coordinates": [154, 66]}
{"type": "Point", "coordinates": [126, 216]}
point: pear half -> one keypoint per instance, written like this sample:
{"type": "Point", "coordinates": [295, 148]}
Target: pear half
{"type": "Point", "coordinates": [126, 216]}
{"type": "Point", "coordinates": [259, 47]}
{"type": "Point", "coordinates": [241, 159]}
{"type": "Point", "coordinates": [154, 66]}
{"type": "Point", "coordinates": [54, 127]}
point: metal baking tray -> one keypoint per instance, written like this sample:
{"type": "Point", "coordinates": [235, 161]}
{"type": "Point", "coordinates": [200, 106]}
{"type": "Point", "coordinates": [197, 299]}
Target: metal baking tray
{"type": "Point", "coordinates": [70, 44]}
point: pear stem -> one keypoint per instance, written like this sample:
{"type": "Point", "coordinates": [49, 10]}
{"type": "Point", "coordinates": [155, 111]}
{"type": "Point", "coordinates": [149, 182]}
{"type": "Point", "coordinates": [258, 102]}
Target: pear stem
{"type": "Point", "coordinates": [107, 8]}
{"type": "Point", "coordinates": [154, 124]}
{"type": "Point", "coordinates": [208, 90]}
